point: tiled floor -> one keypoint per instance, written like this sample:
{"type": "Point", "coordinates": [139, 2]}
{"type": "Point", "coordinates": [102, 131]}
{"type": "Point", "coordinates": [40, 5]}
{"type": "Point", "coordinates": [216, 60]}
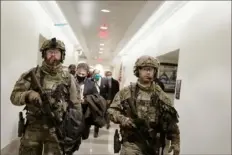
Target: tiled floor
{"type": "Point", "coordinates": [103, 145]}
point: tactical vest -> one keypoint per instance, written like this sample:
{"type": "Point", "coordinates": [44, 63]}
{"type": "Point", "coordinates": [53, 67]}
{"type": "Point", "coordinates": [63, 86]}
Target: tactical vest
{"type": "Point", "coordinates": [155, 120]}
{"type": "Point", "coordinates": [71, 125]}
{"type": "Point", "coordinates": [51, 85]}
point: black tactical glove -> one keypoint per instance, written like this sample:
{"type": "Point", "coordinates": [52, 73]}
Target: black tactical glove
{"type": "Point", "coordinates": [139, 123]}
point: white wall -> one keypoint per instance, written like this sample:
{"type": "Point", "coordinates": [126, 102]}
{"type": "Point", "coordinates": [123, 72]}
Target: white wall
{"type": "Point", "coordinates": [21, 24]}
{"type": "Point", "coordinates": [204, 40]}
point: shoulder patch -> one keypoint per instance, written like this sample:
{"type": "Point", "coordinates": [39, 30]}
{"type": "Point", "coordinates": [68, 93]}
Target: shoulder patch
{"type": "Point", "coordinates": [65, 73]}
{"type": "Point", "coordinates": [26, 76]}
{"type": "Point", "coordinates": [125, 93]}
{"type": "Point", "coordinates": [157, 88]}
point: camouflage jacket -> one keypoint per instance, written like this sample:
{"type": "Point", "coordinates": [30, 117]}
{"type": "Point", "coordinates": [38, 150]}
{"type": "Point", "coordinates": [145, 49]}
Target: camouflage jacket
{"type": "Point", "coordinates": [144, 109]}
{"type": "Point", "coordinates": [51, 78]}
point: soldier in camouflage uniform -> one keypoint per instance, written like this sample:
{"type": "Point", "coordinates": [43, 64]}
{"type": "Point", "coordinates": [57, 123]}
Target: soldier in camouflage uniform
{"type": "Point", "coordinates": [38, 139]}
{"type": "Point", "coordinates": [145, 69]}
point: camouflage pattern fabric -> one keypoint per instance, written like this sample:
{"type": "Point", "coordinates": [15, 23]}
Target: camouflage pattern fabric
{"type": "Point", "coordinates": [48, 44]}
{"type": "Point", "coordinates": [51, 44]}
{"type": "Point", "coordinates": [147, 61]}
{"type": "Point", "coordinates": [36, 136]}
{"type": "Point", "coordinates": [145, 111]}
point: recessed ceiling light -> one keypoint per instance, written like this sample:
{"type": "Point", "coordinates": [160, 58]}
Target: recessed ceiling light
{"type": "Point", "coordinates": [105, 10]}
{"type": "Point", "coordinates": [101, 49]}
{"type": "Point", "coordinates": [104, 27]}
{"type": "Point", "coordinates": [100, 52]}
{"type": "Point", "coordinates": [101, 44]}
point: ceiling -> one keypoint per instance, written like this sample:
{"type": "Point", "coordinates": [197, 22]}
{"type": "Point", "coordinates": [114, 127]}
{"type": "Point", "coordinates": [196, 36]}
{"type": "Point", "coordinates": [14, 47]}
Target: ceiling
{"type": "Point", "coordinates": [122, 22]}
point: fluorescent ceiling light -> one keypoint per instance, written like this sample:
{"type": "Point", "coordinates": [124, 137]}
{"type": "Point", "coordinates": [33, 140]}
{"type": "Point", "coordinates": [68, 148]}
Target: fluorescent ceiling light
{"type": "Point", "coordinates": [101, 44]}
{"type": "Point", "coordinates": [87, 10]}
{"type": "Point", "coordinates": [104, 27]}
{"type": "Point", "coordinates": [101, 49]}
{"type": "Point", "coordinates": [100, 52]}
{"type": "Point", "coordinates": [105, 10]}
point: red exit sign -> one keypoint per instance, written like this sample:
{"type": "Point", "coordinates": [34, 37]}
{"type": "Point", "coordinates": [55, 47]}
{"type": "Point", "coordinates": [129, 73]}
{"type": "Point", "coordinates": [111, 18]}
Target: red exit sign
{"type": "Point", "coordinates": [103, 34]}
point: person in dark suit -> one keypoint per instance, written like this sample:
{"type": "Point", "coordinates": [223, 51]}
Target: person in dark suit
{"type": "Point", "coordinates": [102, 86]}
{"type": "Point", "coordinates": [72, 69]}
{"type": "Point", "coordinates": [87, 87]}
{"type": "Point", "coordinates": [90, 74]}
{"type": "Point", "coordinates": [113, 89]}
{"type": "Point", "coordinates": [113, 85]}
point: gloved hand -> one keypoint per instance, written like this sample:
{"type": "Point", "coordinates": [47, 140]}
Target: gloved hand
{"type": "Point", "coordinates": [175, 149]}
{"type": "Point", "coordinates": [127, 122]}
{"type": "Point", "coordinates": [33, 97]}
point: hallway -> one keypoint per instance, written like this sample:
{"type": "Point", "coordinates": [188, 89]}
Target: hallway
{"type": "Point", "coordinates": [102, 145]}
{"type": "Point", "coordinates": [191, 41]}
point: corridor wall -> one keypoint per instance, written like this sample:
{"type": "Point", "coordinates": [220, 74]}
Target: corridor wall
{"type": "Point", "coordinates": [204, 40]}
{"type": "Point", "coordinates": [22, 22]}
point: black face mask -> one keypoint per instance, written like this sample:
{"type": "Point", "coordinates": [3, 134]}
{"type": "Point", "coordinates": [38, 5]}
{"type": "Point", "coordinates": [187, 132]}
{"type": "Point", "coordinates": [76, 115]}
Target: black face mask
{"type": "Point", "coordinates": [80, 78]}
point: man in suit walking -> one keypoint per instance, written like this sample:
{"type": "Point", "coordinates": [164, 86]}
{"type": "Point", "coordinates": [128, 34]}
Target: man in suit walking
{"type": "Point", "coordinates": [113, 89]}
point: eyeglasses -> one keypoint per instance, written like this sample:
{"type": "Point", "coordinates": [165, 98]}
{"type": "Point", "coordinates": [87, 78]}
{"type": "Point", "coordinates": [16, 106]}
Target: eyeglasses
{"type": "Point", "coordinates": [147, 69]}
{"type": "Point", "coordinates": [53, 52]}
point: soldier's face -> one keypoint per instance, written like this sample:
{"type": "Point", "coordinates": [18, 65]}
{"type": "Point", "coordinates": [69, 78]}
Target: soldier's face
{"type": "Point", "coordinates": [146, 74]}
{"type": "Point", "coordinates": [53, 56]}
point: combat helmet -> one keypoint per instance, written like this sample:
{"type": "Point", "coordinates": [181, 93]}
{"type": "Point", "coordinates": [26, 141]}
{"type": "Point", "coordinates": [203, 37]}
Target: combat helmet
{"type": "Point", "coordinates": [53, 43]}
{"type": "Point", "coordinates": [145, 61]}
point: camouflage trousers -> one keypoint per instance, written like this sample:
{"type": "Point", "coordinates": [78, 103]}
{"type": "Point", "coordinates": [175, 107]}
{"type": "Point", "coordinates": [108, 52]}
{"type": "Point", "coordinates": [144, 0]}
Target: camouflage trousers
{"type": "Point", "coordinates": [37, 141]}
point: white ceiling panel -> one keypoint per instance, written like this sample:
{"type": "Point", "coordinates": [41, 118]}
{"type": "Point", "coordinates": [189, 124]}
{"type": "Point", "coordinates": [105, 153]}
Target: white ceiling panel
{"type": "Point", "coordinates": [86, 18]}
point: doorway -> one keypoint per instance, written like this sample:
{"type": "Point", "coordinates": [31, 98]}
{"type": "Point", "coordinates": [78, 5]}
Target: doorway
{"type": "Point", "coordinates": [167, 73]}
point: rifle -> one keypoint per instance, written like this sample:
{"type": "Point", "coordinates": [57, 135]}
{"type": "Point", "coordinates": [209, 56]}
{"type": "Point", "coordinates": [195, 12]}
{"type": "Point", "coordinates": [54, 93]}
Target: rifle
{"type": "Point", "coordinates": [49, 118]}
{"type": "Point", "coordinates": [152, 134]}
{"type": "Point", "coordinates": [168, 118]}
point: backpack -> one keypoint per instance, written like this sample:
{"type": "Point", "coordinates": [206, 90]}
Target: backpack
{"type": "Point", "coordinates": [72, 128]}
